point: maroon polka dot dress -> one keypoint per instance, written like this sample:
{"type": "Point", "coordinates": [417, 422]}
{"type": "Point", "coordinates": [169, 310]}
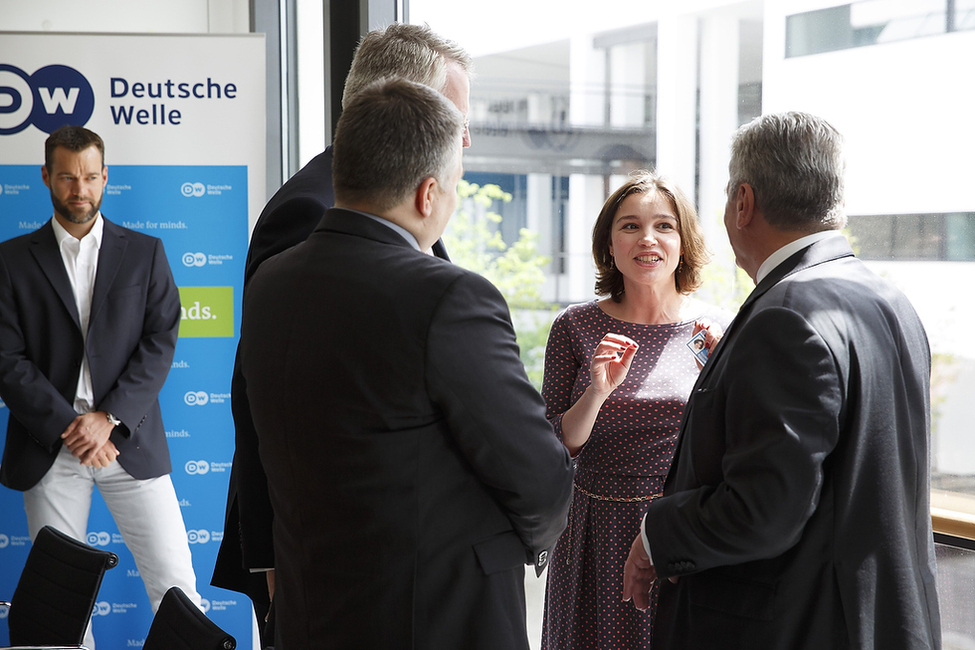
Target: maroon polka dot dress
{"type": "Point", "coordinates": [624, 462]}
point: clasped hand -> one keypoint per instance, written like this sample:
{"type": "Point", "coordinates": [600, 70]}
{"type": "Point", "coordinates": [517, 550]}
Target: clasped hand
{"type": "Point", "coordinates": [87, 438]}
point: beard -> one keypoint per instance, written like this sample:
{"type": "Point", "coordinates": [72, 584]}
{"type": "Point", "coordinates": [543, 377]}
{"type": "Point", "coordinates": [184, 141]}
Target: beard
{"type": "Point", "coordinates": [78, 215]}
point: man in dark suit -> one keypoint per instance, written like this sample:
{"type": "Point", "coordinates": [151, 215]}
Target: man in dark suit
{"type": "Point", "coordinates": [796, 513]}
{"type": "Point", "coordinates": [413, 52]}
{"type": "Point", "coordinates": [411, 470]}
{"type": "Point", "coordinates": [89, 315]}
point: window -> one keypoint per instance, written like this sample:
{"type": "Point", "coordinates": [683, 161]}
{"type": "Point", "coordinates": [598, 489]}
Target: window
{"type": "Point", "coordinates": [561, 113]}
{"type": "Point", "coordinates": [874, 21]}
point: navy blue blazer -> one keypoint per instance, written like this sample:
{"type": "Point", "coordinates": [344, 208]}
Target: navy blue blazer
{"type": "Point", "coordinates": [132, 331]}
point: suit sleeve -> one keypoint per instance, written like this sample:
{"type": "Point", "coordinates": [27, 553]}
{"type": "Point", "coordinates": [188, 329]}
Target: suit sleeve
{"type": "Point", "coordinates": [30, 396]}
{"type": "Point", "coordinates": [256, 516]}
{"type": "Point", "coordinates": [137, 387]}
{"type": "Point", "coordinates": [771, 417]}
{"type": "Point", "coordinates": [495, 414]}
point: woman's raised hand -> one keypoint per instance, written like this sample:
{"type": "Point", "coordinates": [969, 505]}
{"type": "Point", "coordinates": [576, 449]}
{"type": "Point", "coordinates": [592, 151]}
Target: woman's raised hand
{"type": "Point", "coordinates": [611, 362]}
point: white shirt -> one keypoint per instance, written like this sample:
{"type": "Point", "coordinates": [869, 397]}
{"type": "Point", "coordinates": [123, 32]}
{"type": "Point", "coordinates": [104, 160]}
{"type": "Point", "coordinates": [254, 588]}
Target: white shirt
{"type": "Point", "coordinates": [80, 258]}
{"type": "Point", "coordinates": [767, 267]}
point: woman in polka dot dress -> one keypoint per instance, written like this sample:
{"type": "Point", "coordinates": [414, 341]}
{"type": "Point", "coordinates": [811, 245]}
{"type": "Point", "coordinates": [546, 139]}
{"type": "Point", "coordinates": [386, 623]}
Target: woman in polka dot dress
{"type": "Point", "coordinates": [617, 375]}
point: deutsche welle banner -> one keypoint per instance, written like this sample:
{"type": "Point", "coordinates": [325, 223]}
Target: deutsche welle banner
{"type": "Point", "coordinates": [183, 119]}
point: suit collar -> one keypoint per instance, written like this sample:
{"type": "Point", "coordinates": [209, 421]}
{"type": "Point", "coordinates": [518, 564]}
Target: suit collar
{"type": "Point", "coordinates": [819, 252]}
{"type": "Point", "coordinates": [789, 249]}
{"type": "Point", "coordinates": [351, 222]}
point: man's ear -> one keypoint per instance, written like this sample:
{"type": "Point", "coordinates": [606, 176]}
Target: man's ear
{"type": "Point", "coordinates": [45, 176]}
{"type": "Point", "coordinates": [744, 205]}
{"type": "Point", "coordinates": [425, 196]}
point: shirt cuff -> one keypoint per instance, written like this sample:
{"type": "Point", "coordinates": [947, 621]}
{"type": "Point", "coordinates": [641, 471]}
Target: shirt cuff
{"type": "Point", "coordinates": [643, 536]}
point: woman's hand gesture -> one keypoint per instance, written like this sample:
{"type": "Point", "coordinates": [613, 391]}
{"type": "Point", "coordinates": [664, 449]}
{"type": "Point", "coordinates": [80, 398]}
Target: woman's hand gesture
{"type": "Point", "coordinates": [611, 362]}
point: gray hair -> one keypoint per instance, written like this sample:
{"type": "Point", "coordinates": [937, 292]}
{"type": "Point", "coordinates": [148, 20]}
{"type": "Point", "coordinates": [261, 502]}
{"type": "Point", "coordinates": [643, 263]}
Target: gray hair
{"type": "Point", "coordinates": [413, 52]}
{"type": "Point", "coordinates": [795, 164]}
{"type": "Point", "coordinates": [393, 135]}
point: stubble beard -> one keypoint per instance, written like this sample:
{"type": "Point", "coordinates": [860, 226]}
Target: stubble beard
{"type": "Point", "coordinates": [74, 216]}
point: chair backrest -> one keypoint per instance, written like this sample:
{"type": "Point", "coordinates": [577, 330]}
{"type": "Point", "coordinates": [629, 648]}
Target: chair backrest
{"type": "Point", "coordinates": [180, 625]}
{"type": "Point", "coordinates": [56, 591]}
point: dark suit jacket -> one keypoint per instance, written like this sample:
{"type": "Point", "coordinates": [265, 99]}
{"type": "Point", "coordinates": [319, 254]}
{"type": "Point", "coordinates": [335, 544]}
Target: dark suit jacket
{"type": "Point", "coordinates": [411, 469]}
{"type": "Point", "coordinates": [135, 314]}
{"type": "Point", "coordinates": [288, 218]}
{"type": "Point", "coordinates": [796, 512]}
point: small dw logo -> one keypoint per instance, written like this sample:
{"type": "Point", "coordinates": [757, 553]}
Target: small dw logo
{"type": "Point", "coordinates": [197, 467]}
{"type": "Point", "coordinates": [100, 538]}
{"type": "Point", "coordinates": [53, 96]}
{"type": "Point", "coordinates": [196, 398]}
{"type": "Point", "coordinates": [193, 189]}
{"type": "Point", "coordinates": [194, 259]}
{"type": "Point", "coordinates": [102, 608]}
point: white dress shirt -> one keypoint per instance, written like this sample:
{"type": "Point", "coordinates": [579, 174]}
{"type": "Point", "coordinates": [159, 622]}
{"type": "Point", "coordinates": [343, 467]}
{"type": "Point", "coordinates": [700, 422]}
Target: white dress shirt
{"type": "Point", "coordinates": [80, 258]}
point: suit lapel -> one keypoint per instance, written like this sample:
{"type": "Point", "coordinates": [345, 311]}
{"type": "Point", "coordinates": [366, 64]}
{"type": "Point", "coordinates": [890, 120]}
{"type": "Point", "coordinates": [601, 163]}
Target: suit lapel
{"type": "Point", "coordinates": [44, 248]}
{"type": "Point", "coordinates": [109, 260]}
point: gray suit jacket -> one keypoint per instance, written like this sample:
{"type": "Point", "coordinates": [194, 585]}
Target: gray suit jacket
{"type": "Point", "coordinates": [135, 314]}
{"type": "Point", "coordinates": [410, 466]}
{"type": "Point", "coordinates": [796, 513]}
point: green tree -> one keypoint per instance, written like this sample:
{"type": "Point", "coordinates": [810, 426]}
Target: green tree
{"type": "Point", "coordinates": [517, 270]}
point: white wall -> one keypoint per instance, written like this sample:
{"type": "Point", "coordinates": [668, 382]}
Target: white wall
{"type": "Point", "coordinates": [905, 109]}
{"type": "Point", "coordinates": [161, 17]}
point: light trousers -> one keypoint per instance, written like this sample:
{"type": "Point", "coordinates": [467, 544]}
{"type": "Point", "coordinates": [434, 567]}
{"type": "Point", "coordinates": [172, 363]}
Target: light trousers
{"type": "Point", "coordinates": [146, 513]}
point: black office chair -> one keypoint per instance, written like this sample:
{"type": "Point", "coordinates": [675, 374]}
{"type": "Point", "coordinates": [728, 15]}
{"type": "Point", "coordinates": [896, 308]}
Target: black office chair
{"type": "Point", "coordinates": [55, 595]}
{"type": "Point", "coordinates": [180, 625]}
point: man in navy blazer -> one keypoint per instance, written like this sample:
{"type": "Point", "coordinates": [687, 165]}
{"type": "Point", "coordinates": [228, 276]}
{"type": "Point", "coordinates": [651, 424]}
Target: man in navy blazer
{"type": "Point", "coordinates": [411, 469]}
{"type": "Point", "coordinates": [89, 315]}
{"type": "Point", "coordinates": [413, 52]}
{"type": "Point", "coordinates": [796, 514]}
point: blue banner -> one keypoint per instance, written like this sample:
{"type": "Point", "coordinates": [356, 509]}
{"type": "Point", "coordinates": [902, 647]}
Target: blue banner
{"type": "Point", "coordinates": [200, 213]}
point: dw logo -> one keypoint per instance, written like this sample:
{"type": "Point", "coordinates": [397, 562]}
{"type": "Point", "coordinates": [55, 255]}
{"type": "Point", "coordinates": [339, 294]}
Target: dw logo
{"type": "Point", "coordinates": [197, 467]}
{"type": "Point", "coordinates": [205, 605]}
{"type": "Point", "coordinates": [102, 608]}
{"type": "Point", "coordinates": [198, 536]}
{"type": "Point", "coordinates": [196, 398]}
{"type": "Point", "coordinates": [100, 538]}
{"type": "Point", "coordinates": [53, 96]}
{"type": "Point", "coordinates": [194, 259]}
{"type": "Point", "coordinates": [4, 541]}
{"type": "Point", "coordinates": [4, 610]}
{"type": "Point", "coordinates": [193, 189]}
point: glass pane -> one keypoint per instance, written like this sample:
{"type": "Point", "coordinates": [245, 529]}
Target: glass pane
{"type": "Point", "coordinates": [561, 114]}
{"type": "Point", "coordinates": [956, 590]}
